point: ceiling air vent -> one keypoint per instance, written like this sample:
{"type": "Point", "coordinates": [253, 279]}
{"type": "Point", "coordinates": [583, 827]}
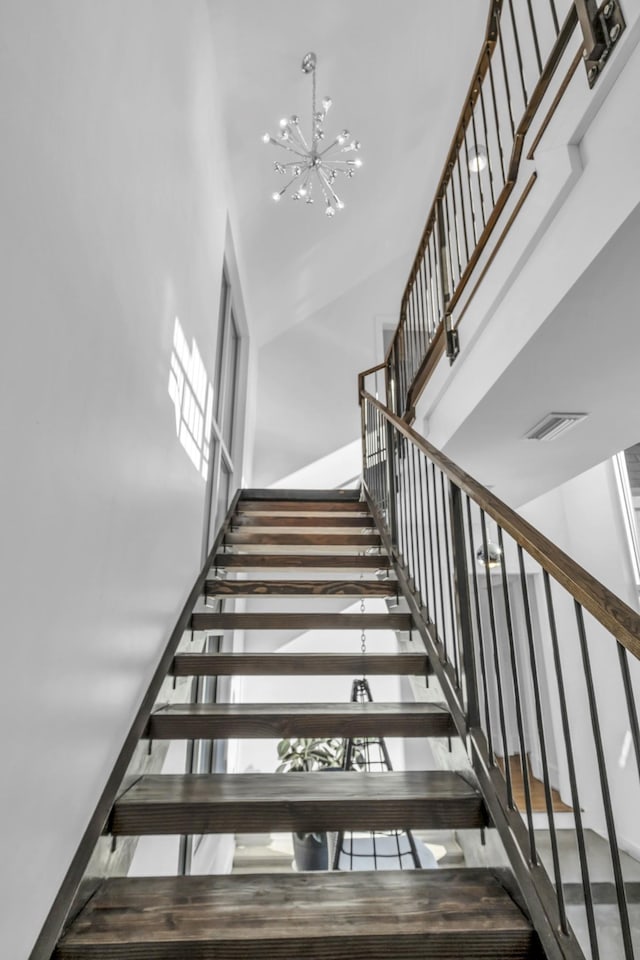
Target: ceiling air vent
{"type": "Point", "coordinates": [551, 426]}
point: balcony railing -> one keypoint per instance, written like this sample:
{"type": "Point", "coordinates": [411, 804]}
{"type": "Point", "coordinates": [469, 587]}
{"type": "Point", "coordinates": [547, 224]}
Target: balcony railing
{"type": "Point", "coordinates": [524, 44]}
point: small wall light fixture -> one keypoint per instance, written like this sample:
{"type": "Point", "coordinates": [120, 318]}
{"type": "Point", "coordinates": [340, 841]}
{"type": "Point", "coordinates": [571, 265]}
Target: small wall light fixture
{"type": "Point", "coordinates": [477, 158]}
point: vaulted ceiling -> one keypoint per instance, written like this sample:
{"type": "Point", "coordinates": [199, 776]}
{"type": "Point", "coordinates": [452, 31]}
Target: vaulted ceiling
{"type": "Point", "coordinates": [318, 289]}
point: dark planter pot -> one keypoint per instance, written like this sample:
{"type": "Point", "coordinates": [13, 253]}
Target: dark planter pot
{"type": "Point", "coordinates": [311, 853]}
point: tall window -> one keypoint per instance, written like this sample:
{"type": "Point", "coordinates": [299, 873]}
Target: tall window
{"type": "Point", "coordinates": [223, 476]}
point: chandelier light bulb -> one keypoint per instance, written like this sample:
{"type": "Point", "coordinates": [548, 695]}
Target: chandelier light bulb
{"type": "Point", "coordinates": [266, 138]}
{"type": "Point", "coordinates": [316, 158]}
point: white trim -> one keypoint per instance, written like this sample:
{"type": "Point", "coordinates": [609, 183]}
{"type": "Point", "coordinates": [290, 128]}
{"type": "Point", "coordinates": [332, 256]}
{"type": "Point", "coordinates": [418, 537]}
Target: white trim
{"type": "Point", "coordinates": [628, 512]}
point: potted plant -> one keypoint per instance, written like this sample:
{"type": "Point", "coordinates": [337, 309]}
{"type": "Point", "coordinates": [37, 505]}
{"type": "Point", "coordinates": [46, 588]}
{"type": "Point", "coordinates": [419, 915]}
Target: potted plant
{"type": "Point", "coordinates": [305, 755]}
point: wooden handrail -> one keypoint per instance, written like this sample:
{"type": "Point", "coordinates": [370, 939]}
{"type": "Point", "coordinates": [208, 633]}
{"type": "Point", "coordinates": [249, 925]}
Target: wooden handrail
{"type": "Point", "coordinates": [614, 614]}
{"type": "Point", "coordinates": [366, 373]}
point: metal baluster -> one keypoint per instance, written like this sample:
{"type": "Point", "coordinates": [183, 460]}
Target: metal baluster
{"type": "Point", "coordinates": [471, 205]}
{"type": "Point", "coordinates": [462, 207]}
{"type": "Point", "coordinates": [571, 769]}
{"type": "Point", "coordinates": [554, 14]}
{"type": "Point", "coordinates": [423, 302]}
{"type": "Point", "coordinates": [414, 529]}
{"type": "Point", "coordinates": [456, 220]}
{"type": "Point", "coordinates": [496, 660]}
{"type": "Point", "coordinates": [434, 608]}
{"type": "Point", "coordinates": [534, 33]}
{"type": "Point", "coordinates": [631, 702]}
{"type": "Point", "coordinates": [604, 786]}
{"type": "Point", "coordinates": [496, 119]}
{"type": "Point", "coordinates": [464, 605]}
{"type": "Point", "coordinates": [448, 547]}
{"type": "Point", "coordinates": [524, 761]}
{"type": "Point", "coordinates": [546, 779]}
{"type": "Point", "coordinates": [486, 141]}
{"type": "Point", "coordinates": [506, 77]}
{"type": "Point", "coordinates": [478, 171]}
{"type": "Point", "coordinates": [518, 53]}
{"type": "Point", "coordinates": [426, 601]}
{"type": "Point", "coordinates": [437, 513]}
{"type": "Point", "coordinates": [476, 598]}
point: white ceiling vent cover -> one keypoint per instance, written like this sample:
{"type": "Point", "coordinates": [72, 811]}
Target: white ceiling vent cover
{"type": "Point", "coordinates": [551, 426]}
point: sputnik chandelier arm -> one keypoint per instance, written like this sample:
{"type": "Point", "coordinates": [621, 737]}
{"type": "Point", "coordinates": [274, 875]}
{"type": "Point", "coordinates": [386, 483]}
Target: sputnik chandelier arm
{"type": "Point", "coordinates": [313, 167]}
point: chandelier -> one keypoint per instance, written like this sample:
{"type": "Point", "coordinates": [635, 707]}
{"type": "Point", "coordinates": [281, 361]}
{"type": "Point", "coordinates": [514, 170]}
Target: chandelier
{"type": "Point", "coordinates": [315, 165]}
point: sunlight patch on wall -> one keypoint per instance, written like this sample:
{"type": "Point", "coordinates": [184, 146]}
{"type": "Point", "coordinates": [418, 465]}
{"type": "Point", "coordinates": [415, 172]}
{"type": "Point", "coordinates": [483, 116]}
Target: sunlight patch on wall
{"type": "Point", "coordinates": [192, 396]}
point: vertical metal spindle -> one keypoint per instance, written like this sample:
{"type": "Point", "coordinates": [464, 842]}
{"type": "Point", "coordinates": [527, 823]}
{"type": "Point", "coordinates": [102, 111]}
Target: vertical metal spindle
{"type": "Point", "coordinates": [402, 500]}
{"type": "Point", "coordinates": [534, 34]}
{"type": "Point", "coordinates": [436, 525]}
{"type": "Point", "coordinates": [445, 280]}
{"type": "Point", "coordinates": [392, 517]}
{"type": "Point", "coordinates": [433, 288]}
{"type": "Point", "coordinates": [472, 208]}
{"type": "Point", "coordinates": [496, 119]}
{"type": "Point", "coordinates": [496, 660]}
{"type": "Point", "coordinates": [465, 620]}
{"type": "Point", "coordinates": [478, 171]}
{"type": "Point", "coordinates": [423, 550]}
{"type": "Point", "coordinates": [417, 581]}
{"type": "Point", "coordinates": [452, 612]}
{"type": "Point", "coordinates": [456, 220]}
{"type": "Point", "coordinates": [546, 779]}
{"type": "Point", "coordinates": [428, 494]}
{"type": "Point", "coordinates": [483, 114]}
{"type": "Point", "coordinates": [476, 599]}
{"type": "Point", "coordinates": [571, 770]}
{"type": "Point", "coordinates": [506, 78]}
{"type": "Point", "coordinates": [631, 702]}
{"type": "Point", "coordinates": [410, 558]}
{"type": "Point", "coordinates": [524, 760]}
{"type": "Point", "coordinates": [518, 52]}
{"type": "Point", "coordinates": [554, 14]}
{"type": "Point", "coordinates": [447, 229]}
{"type": "Point", "coordinates": [604, 787]}
{"type": "Point", "coordinates": [462, 207]}
{"type": "Point", "coordinates": [437, 514]}
{"type": "Point", "coordinates": [425, 301]}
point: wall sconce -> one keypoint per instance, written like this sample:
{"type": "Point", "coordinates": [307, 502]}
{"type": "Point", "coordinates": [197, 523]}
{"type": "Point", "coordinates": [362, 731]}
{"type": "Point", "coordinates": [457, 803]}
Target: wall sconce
{"type": "Point", "coordinates": [477, 158]}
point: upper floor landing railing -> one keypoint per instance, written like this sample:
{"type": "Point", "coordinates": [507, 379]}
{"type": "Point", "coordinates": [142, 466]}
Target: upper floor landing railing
{"type": "Point", "coordinates": [524, 44]}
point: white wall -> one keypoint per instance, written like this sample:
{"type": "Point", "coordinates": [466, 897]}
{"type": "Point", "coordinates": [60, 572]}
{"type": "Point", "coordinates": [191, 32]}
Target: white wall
{"type": "Point", "coordinates": [113, 222]}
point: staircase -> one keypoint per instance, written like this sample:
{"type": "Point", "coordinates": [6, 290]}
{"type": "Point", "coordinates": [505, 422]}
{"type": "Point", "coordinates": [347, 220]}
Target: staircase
{"type": "Point", "coordinates": [314, 544]}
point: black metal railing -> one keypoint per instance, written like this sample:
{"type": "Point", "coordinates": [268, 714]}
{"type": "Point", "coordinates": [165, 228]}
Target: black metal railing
{"type": "Point", "coordinates": [533, 655]}
{"type": "Point", "coordinates": [523, 46]}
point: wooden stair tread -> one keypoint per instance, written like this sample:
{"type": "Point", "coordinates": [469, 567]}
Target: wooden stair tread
{"type": "Point", "coordinates": [293, 664]}
{"type": "Point", "coordinates": [197, 721]}
{"type": "Point", "coordinates": [301, 588]}
{"type": "Point", "coordinates": [404, 915]}
{"type": "Point", "coordinates": [337, 521]}
{"type": "Point", "coordinates": [283, 561]}
{"type": "Point", "coordinates": [302, 506]}
{"type": "Point", "coordinates": [301, 621]}
{"type": "Point", "coordinates": [316, 539]}
{"type": "Point", "coordinates": [255, 802]}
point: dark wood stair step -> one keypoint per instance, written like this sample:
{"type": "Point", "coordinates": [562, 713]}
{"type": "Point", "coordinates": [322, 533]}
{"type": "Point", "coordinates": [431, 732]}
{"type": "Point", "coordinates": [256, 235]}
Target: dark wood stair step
{"type": "Point", "coordinates": [405, 915]}
{"type": "Point", "coordinates": [301, 621]}
{"type": "Point", "coordinates": [301, 588]}
{"type": "Point", "coordinates": [303, 506]}
{"type": "Point", "coordinates": [294, 520]}
{"type": "Point", "coordinates": [284, 561]}
{"type": "Point", "coordinates": [199, 721]}
{"type": "Point", "coordinates": [303, 665]}
{"type": "Point", "coordinates": [258, 802]}
{"type": "Point", "coordinates": [354, 540]}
